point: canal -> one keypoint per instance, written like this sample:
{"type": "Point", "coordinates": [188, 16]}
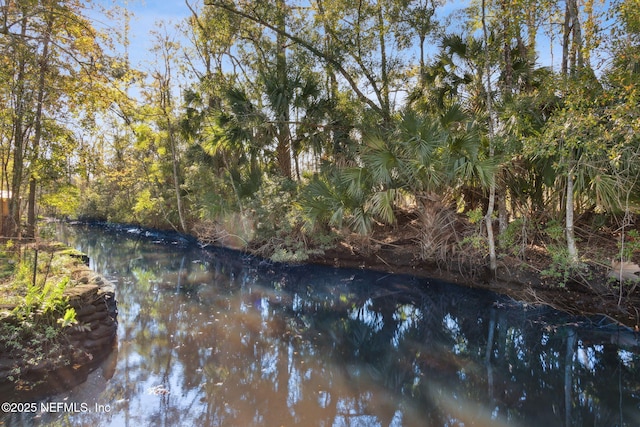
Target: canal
{"type": "Point", "coordinates": [210, 337]}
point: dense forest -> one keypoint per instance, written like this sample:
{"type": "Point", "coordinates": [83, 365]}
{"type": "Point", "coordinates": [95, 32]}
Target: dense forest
{"type": "Point", "coordinates": [493, 129]}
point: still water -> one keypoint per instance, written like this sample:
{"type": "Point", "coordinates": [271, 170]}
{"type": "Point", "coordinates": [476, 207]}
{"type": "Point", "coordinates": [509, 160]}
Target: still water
{"type": "Point", "coordinates": [212, 338]}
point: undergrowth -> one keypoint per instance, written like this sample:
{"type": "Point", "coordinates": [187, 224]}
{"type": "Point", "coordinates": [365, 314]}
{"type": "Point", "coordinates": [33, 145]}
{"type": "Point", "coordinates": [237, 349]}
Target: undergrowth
{"type": "Point", "coordinates": [31, 333]}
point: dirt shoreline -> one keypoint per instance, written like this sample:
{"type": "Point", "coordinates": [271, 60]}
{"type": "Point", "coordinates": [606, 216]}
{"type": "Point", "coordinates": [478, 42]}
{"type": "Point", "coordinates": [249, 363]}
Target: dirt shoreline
{"type": "Point", "coordinates": [395, 251]}
{"type": "Point", "coordinates": [593, 297]}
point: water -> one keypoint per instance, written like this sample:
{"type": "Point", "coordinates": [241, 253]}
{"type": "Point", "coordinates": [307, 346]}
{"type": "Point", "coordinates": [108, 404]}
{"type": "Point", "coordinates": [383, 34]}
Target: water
{"type": "Point", "coordinates": [211, 338]}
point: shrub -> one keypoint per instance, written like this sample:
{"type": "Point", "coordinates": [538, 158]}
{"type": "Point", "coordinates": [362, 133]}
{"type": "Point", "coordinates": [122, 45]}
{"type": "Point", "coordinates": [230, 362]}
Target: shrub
{"type": "Point", "coordinates": [32, 332]}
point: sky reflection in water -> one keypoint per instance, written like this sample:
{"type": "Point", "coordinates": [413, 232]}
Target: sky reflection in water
{"type": "Point", "coordinates": [209, 338]}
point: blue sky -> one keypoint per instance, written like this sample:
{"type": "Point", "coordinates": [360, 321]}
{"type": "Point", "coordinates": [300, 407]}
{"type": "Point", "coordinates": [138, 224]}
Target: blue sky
{"type": "Point", "coordinates": [145, 16]}
{"type": "Point", "coordinates": [147, 13]}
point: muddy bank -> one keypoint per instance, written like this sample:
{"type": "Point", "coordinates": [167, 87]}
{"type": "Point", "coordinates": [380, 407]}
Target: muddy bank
{"type": "Point", "coordinates": [591, 293]}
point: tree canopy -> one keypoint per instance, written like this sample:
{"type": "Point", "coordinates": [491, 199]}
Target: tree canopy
{"type": "Point", "coordinates": [269, 123]}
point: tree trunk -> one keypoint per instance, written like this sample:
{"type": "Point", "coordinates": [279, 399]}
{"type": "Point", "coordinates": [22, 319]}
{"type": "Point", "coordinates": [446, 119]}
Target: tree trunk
{"type": "Point", "coordinates": [571, 240]}
{"type": "Point", "coordinates": [577, 58]}
{"type": "Point", "coordinates": [13, 221]}
{"type": "Point", "coordinates": [386, 105]}
{"type": "Point", "coordinates": [566, 33]}
{"type": "Point", "coordinates": [166, 108]}
{"type": "Point", "coordinates": [423, 65]}
{"type": "Point", "coordinates": [3, 196]}
{"type": "Point", "coordinates": [488, 219]}
{"type": "Point", "coordinates": [44, 65]}
{"type": "Point", "coordinates": [503, 212]}
{"type": "Point", "coordinates": [176, 177]}
{"type": "Point", "coordinates": [508, 60]}
{"type": "Point", "coordinates": [31, 209]}
{"type": "Point", "coordinates": [283, 150]}
{"type": "Point", "coordinates": [490, 235]}
{"type": "Point", "coordinates": [572, 55]}
{"type": "Point", "coordinates": [332, 85]}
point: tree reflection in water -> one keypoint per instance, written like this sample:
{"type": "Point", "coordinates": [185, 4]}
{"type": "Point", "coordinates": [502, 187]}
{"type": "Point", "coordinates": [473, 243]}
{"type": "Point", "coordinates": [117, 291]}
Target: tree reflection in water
{"type": "Point", "coordinates": [209, 338]}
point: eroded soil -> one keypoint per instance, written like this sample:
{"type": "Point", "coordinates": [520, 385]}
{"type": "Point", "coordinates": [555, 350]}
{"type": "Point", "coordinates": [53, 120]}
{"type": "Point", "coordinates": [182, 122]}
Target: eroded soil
{"type": "Point", "coordinates": [587, 291]}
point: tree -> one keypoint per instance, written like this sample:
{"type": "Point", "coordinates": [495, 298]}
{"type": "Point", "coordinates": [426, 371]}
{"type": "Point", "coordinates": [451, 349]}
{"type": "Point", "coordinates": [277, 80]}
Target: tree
{"type": "Point", "coordinates": [424, 157]}
{"type": "Point", "coordinates": [166, 115]}
{"type": "Point", "coordinates": [359, 43]}
{"type": "Point", "coordinates": [53, 60]}
{"type": "Point", "coordinates": [491, 116]}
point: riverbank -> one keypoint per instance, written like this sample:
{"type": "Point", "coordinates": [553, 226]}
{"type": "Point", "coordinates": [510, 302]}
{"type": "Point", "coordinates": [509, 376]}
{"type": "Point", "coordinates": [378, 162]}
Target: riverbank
{"type": "Point", "coordinates": [201, 323]}
{"type": "Point", "coordinates": [532, 279]}
{"type": "Point", "coordinates": [56, 327]}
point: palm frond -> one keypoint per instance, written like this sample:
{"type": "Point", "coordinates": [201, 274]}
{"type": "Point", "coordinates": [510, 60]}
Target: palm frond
{"type": "Point", "coordinates": [453, 115]}
{"type": "Point", "coordinates": [603, 189]}
{"type": "Point", "coordinates": [454, 45]}
{"type": "Point", "coordinates": [320, 202]}
{"type": "Point", "coordinates": [361, 221]}
{"type": "Point", "coordinates": [420, 136]}
{"type": "Point", "coordinates": [383, 203]}
{"type": "Point", "coordinates": [425, 176]}
{"type": "Point", "coordinates": [381, 161]}
{"type": "Point", "coordinates": [214, 139]}
{"type": "Point", "coordinates": [356, 182]}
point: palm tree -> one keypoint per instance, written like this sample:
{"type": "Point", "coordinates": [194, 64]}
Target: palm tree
{"type": "Point", "coordinates": [441, 156]}
{"type": "Point", "coordinates": [425, 158]}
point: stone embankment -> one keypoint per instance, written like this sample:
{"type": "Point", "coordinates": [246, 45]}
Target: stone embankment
{"type": "Point", "coordinates": [93, 299]}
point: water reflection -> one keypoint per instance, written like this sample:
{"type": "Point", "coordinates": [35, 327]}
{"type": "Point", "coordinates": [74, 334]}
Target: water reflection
{"type": "Point", "coordinates": [214, 339]}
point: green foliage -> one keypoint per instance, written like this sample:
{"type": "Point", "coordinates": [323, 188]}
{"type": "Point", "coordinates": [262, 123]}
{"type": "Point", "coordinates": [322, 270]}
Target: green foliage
{"type": "Point", "coordinates": [57, 83]}
{"type": "Point", "coordinates": [562, 267]}
{"type": "Point", "coordinates": [32, 333]}
{"type": "Point", "coordinates": [92, 205]}
{"type": "Point", "coordinates": [9, 258]}
{"type": "Point", "coordinates": [43, 304]}
{"type": "Point", "coordinates": [64, 202]}
{"type": "Point", "coordinates": [272, 206]}
{"type": "Point", "coordinates": [280, 232]}
{"type": "Point", "coordinates": [148, 209]}
{"type": "Point", "coordinates": [476, 241]}
{"type": "Point", "coordinates": [555, 231]}
{"type": "Point", "coordinates": [337, 199]}
{"type": "Point", "coordinates": [69, 318]}
{"type": "Point", "coordinates": [421, 156]}
{"type": "Point", "coordinates": [513, 239]}
{"type": "Point", "coordinates": [304, 136]}
{"type": "Point", "coordinates": [629, 244]}
{"type": "Point", "coordinates": [321, 202]}
{"type": "Point", "coordinates": [475, 216]}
